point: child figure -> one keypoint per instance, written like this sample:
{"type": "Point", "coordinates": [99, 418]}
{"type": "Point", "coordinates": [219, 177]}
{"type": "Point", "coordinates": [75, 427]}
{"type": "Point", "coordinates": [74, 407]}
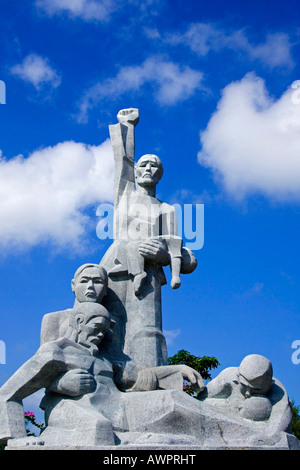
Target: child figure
{"type": "Point", "coordinates": [130, 256]}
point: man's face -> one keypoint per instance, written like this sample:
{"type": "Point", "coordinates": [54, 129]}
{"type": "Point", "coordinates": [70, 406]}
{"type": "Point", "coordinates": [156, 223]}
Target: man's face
{"type": "Point", "coordinates": [148, 171]}
{"type": "Point", "coordinates": [92, 331]}
{"type": "Point", "coordinates": [253, 387]}
{"type": "Point", "coordinates": [89, 286]}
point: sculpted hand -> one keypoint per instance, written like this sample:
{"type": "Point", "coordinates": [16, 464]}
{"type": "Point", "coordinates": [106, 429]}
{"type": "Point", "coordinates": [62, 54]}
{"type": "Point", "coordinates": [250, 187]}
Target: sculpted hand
{"type": "Point", "coordinates": [164, 375]}
{"type": "Point", "coordinates": [191, 376]}
{"type": "Point", "coordinates": [130, 115]}
{"type": "Point", "coordinates": [155, 250]}
{"type": "Point", "coordinates": [74, 383]}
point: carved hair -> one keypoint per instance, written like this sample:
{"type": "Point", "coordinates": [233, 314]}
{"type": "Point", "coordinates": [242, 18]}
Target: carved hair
{"type": "Point", "coordinates": [158, 161]}
{"type": "Point", "coordinates": [102, 272]}
{"type": "Point", "coordinates": [88, 310]}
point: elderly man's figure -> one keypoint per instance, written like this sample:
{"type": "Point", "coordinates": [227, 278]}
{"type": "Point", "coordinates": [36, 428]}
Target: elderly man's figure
{"type": "Point", "coordinates": [89, 284]}
{"type": "Point", "coordinates": [70, 357]}
{"type": "Point", "coordinates": [145, 240]}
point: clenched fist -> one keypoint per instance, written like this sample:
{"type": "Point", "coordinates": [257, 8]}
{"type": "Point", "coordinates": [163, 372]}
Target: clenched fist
{"type": "Point", "coordinates": [130, 115]}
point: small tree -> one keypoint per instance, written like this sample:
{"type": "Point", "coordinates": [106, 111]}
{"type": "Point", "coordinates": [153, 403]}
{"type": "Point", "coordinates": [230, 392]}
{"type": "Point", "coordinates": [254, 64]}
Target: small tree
{"type": "Point", "coordinates": [201, 364]}
{"type": "Point", "coordinates": [295, 427]}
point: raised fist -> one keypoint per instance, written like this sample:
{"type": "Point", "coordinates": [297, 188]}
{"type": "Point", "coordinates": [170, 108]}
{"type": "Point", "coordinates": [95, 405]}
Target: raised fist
{"type": "Point", "coordinates": [130, 115]}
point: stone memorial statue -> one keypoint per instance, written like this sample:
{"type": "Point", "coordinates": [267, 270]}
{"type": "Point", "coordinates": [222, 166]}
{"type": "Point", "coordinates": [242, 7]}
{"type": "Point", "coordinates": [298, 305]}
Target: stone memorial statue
{"type": "Point", "coordinates": [82, 404]}
{"type": "Point", "coordinates": [103, 362]}
{"type": "Point", "coordinates": [145, 240]}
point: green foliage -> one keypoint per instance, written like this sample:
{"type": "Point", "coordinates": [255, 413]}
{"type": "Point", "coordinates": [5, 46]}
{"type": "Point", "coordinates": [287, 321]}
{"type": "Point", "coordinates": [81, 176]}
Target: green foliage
{"type": "Point", "coordinates": [295, 427]}
{"type": "Point", "coordinates": [201, 364]}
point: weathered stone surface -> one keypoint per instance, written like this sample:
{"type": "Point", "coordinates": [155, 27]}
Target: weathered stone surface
{"type": "Point", "coordinates": [83, 406]}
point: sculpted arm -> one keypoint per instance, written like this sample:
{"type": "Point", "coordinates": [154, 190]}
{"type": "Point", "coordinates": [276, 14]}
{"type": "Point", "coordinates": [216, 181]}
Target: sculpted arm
{"type": "Point", "coordinates": [73, 383]}
{"type": "Point", "coordinates": [130, 376]}
{"type": "Point", "coordinates": [168, 377]}
{"type": "Point", "coordinates": [122, 139]}
{"type": "Point", "coordinates": [37, 373]}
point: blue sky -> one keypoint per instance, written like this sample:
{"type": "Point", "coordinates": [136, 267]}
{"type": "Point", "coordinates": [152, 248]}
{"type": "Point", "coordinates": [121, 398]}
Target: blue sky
{"type": "Point", "coordinates": [214, 85]}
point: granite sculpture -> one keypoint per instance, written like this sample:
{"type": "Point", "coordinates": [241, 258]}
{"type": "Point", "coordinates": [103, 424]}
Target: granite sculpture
{"type": "Point", "coordinates": [89, 284]}
{"type": "Point", "coordinates": [145, 240]}
{"type": "Point", "coordinates": [82, 404]}
{"type": "Point", "coordinates": [251, 392]}
{"type": "Point", "coordinates": [103, 362]}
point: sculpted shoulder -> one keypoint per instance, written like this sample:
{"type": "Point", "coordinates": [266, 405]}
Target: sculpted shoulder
{"type": "Point", "coordinates": [54, 325]}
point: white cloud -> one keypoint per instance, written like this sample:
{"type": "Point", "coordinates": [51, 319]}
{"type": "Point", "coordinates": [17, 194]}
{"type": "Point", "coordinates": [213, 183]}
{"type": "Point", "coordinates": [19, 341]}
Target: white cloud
{"type": "Point", "coordinates": [170, 84]}
{"type": "Point", "coordinates": [87, 10]}
{"type": "Point", "coordinates": [203, 38]}
{"type": "Point", "coordinates": [256, 289]}
{"type": "Point", "coordinates": [92, 10]}
{"type": "Point", "coordinates": [251, 142]}
{"type": "Point", "coordinates": [171, 335]}
{"type": "Point", "coordinates": [44, 196]}
{"type": "Point", "coordinates": [36, 70]}
{"type": "Point", "coordinates": [274, 52]}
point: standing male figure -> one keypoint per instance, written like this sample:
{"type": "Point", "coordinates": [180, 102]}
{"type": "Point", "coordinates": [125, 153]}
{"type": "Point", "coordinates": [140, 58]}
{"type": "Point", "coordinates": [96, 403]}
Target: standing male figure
{"type": "Point", "coordinates": [145, 240]}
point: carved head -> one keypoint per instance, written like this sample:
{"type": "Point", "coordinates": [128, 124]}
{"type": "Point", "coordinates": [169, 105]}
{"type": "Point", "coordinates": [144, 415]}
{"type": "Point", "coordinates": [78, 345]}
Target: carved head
{"type": "Point", "coordinates": [90, 283]}
{"type": "Point", "coordinates": [148, 170]}
{"type": "Point", "coordinates": [90, 322]}
{"type": "Point", "coordinates": [255, 375]}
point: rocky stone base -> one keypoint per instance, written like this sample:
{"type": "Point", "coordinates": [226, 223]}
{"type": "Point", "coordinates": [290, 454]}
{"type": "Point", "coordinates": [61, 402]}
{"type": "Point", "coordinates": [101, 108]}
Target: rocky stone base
{"type": "Point", "coordinates": [290, 443]}
{"type": "Point", "coordinates": [144, 448]}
